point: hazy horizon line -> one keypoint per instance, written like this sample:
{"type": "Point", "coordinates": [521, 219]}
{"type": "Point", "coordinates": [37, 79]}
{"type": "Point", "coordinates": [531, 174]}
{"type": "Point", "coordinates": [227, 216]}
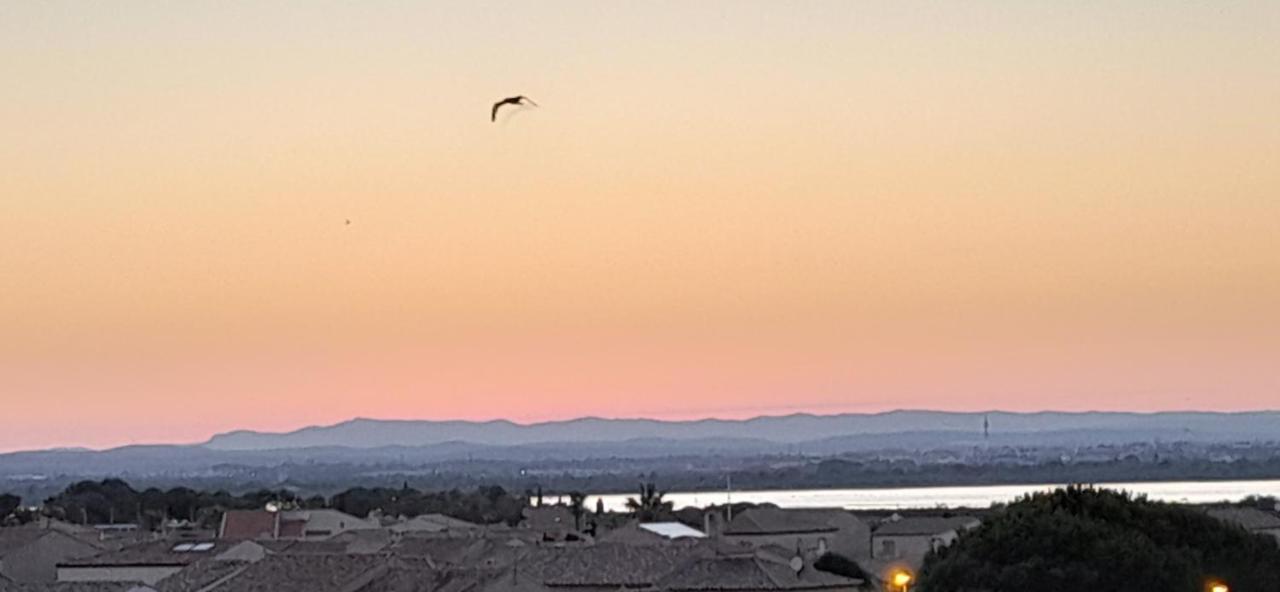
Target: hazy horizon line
{"type": "Point", "coordinates": [601, 417]}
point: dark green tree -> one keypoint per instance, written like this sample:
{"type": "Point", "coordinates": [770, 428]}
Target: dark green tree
{"type": "Point", "coordinates": [649, 506]}
{"type": "Point", "coordinates": [577, 507]}
{"type": "Point", "coordinates": [8, 504]}
{"type": "Point", "coordinates": [1081, 538]}
{"type": "Point", "coordinates": [839, 565]}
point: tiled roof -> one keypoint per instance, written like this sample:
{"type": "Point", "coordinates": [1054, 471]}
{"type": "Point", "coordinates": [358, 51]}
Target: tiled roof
{"type": "Point", "coordinates": [175, 553]}
{"type": "Point", "coordinates": [434, 523]}
{"type": "Point", "coordinates": [1249, 518]}
{"type": "Point", "coordinates": [925, 525]}
{"type": "Point", "coordinates": [6, 586]}
{"type": "Point", "coordinates": [611, 565]}
{"type": "Point", "coordinates": [443, 552]}
{"type": "Point", "coordinates": [200, 574]}
{"type": "Point", "coordinates": [769, 521]}
{"type": "Point", "coordinates": [416, 575]}
{"type": "Point", "coordinates": [12, 539]}
{"type": "Point", "coordinates": [316, 548]}
{"type": "Point", "coordinates": [306, 573]}
{"type": "Point", "coordinates": [248, 524]}
{"type": "Point", "coordinates": [747, 572]}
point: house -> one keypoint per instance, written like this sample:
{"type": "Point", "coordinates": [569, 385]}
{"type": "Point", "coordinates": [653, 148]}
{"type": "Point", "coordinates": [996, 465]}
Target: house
{"type": "Point", "coordinates": [651, 533]}
{"type": "Point", "coordinates": [435, 524]}
{"type": "Point", "coordinates": [813, 532]}
{"type": "Point", "coordinates": [298, 524]}
{"type": "Point", "coordinates": [203, 574]}
{"type": "Point", "coordinates": [351, 542]}
{"type": "Point", "coordinates": [910, 539]}
{"type": "Point", "coordinates": [449, 553]}
{"type": "Point", "coordinates": [553, 523]}
{"type": "Point", "coordinates": [147, 563]}
{"type": "Point", "coordinates": [30, 554]}
{"type": "Point", "coordinates": [249, 525]}
{"type": "Point", "coordinates": [706, 565]}
{"type": "Point", "coordinates": [1251, 519]}
{"type": "Point", "coordinates": [320, 524]}
{"type": "Point", "coordinates": [752, 572]}
{"type": "Point", "coordinates": [591, 568]}
{"type": "Point", "coordinates": [305, 573]}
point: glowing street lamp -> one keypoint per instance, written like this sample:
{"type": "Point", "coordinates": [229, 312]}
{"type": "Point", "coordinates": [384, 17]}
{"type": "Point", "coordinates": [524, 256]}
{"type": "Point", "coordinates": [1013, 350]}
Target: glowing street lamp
{"type": "Point", "coordinates": [1218, 587]}
{"type": "Point", "coordinates": [901, 579]}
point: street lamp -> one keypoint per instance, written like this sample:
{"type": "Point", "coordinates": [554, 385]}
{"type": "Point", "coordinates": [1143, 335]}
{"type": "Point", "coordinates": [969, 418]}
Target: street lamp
{"type": "Point", "coordinates": [1218, 587]}
{"type": "Point", "coordinates": [901, 579]}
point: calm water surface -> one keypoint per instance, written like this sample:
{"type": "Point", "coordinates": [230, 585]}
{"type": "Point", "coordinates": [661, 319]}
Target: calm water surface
{"type": "Point", "coordinates": [979, 496]}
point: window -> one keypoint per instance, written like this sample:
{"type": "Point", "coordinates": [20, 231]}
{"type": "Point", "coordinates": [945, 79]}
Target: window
{"type": "Point", "coordinates": [888, 549]}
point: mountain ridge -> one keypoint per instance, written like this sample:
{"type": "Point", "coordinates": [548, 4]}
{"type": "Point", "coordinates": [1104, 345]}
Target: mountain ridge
{"type": "Point", "coordinates": [796, 428]}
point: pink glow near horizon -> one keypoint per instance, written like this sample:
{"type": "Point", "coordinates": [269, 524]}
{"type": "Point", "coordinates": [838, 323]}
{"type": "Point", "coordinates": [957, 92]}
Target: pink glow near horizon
{"type": "Point", "coordinates": [829, 206]}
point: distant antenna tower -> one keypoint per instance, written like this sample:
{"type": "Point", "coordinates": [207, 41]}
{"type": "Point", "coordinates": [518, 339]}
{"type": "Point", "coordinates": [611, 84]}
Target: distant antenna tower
{"type": "Point", "coordinates": [986, 428]}
{"type": "Point", "coordinates": [728, 497]}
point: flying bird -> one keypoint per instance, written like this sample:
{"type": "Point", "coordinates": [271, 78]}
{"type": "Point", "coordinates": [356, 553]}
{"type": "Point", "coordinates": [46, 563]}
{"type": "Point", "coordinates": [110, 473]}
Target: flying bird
{"type": "Point", "coordinates": [517, 100]}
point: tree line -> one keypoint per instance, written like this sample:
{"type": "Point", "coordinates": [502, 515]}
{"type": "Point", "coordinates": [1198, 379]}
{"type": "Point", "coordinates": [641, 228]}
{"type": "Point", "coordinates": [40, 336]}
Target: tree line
{"type": "Point", "coordinates": [114, 501]}
{"type": "Point", "coordinates": [1082, 538]}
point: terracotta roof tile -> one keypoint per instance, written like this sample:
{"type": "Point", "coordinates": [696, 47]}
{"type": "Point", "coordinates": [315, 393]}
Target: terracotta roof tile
{"type": "Point", "coordinates": [248, 524]}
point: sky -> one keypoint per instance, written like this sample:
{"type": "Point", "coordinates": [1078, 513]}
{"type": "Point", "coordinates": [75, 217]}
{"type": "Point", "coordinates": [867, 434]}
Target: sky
{"type": "Point", "coordinates": [720, 209]}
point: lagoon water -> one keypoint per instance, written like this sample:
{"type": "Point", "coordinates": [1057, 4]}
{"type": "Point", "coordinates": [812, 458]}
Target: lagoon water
{"type": "Point", "coordinates": [978, 496]}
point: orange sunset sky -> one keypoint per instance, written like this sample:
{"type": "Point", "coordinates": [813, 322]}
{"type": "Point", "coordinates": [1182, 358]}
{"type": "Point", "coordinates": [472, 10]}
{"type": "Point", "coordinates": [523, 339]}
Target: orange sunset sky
{"type": "Point", "coordinates": [722, 208]}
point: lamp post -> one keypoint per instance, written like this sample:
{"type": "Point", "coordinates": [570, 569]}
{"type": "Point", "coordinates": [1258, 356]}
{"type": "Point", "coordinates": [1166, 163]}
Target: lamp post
{"type": "Point", "coordinates": [902, 579]}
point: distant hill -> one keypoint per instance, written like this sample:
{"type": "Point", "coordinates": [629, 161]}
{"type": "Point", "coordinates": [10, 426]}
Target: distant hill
{"type": "Point", "coordinates": [787, 430]}
{"type": "Point", "coordinates": [596, 454]}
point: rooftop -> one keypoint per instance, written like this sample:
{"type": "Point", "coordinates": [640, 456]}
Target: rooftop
{"type": "Point", "coordinates": [603, 565]}
{"type": "Point", "coordinates": [768, 521]}
{"type": "Point", "coordinates": [672, 530]}
{"type": "Point", "coordinates": [248, 524]}
{"type": "Point", "coordinates": [305, 573]}
{"type": "Point", "coordinates": [925, 525]}
{"type": "Point", "coordinates": [172, 553]}
{"type": "Point", "coordinates": [12, 539]}
{"type": "Point", "coordinates": [7, 586]}
{"type": "Point", "coordinates": [1249, 518]}
{"type": "Point", "coordinates": [748, 572]}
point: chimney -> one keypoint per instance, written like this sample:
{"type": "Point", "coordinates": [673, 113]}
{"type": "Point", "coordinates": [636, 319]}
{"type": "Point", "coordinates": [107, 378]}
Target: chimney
{"type": "Point", "coordinates": [712, 523]}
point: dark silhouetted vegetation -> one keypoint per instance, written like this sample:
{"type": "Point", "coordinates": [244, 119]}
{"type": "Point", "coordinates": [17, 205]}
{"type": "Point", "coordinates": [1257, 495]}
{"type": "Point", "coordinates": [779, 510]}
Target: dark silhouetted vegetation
{"type": "Point", "coordinates": [839, 565]}
{"type": "Point", "coordinates": [9, 503]}
{"type": "Point", "coordinates": [1099, 540]}
{"type": "Point", "coordinates": [115, 501]}
{"type": "Point", "coordinates": [650, 506]}
{"type": "Point", "coordinates": [483, 505]}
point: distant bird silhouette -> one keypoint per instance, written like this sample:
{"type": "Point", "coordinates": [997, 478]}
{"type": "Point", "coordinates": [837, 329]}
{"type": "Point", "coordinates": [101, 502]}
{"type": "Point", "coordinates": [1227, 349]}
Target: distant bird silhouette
{"type": "Point", "coordinates": [517, 100]}
{"type": "Point", "coordinates": [348, 222]}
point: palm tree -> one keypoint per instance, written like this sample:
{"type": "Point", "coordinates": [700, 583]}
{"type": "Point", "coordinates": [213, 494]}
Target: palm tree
{"type": "Point", "coordinates": [577, 503]}
{"type": "Point", "coordinates": [650, 505]}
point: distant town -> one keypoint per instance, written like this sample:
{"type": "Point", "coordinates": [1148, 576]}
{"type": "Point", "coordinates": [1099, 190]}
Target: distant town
{"type": "Point", "coordinates": [265, 512]}
{"type": "Point", "coordinates": [109, 536]}
{"type": "Point", "coordinates": [611, 456]}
